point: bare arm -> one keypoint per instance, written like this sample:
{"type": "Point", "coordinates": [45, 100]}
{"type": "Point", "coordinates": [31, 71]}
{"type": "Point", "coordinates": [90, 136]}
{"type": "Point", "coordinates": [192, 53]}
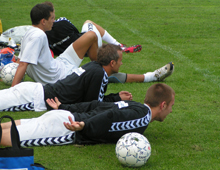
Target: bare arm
{"type": "Point", "coordinates": [19, 73]}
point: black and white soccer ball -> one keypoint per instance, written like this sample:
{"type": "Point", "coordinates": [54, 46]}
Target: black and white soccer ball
{"type": "Point", "coordinates": [8, 73]}
{"type": "Point", "coordinates": [133, 149]}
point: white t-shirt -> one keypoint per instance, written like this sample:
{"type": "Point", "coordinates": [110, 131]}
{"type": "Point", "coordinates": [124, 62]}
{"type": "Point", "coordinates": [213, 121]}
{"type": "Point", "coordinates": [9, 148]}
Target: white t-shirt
{"type": "Point", "coordinates": [42, 66]}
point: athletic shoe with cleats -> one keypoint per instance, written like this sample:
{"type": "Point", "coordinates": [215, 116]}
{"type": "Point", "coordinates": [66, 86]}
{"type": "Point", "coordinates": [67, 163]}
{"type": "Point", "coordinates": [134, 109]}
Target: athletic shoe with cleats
{"type": "Point", "coordinates": [123, 46]}
{"type": "Point", "coordinates": [164, 71]}
{"type": "Point", "coordinates": [132, 49]}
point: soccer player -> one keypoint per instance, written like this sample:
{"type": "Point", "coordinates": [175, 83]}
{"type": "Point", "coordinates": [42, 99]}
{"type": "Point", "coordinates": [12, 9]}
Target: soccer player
{"type": "Point", "coordinates": [35, 57]}
{"type": "Point", "coordinates": [93, 122]}
{"type": "Point", "coordinates": [86, 83]}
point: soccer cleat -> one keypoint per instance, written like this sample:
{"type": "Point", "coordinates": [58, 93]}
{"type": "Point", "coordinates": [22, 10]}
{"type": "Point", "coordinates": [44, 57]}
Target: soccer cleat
{"type": "Point", "coordinates": [123, 46]}
{"type": "Point", "coordinates": [164, 71]}
{"type": "Point", "coordinates": [131, 49]}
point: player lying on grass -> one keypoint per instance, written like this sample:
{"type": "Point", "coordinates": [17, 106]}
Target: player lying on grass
{"type": "Point", "coordinates": [63, 33]}
{"type": "Point", "coordinates": [86, 83]}
{"type": "Point", "coordinates": [93, 122]}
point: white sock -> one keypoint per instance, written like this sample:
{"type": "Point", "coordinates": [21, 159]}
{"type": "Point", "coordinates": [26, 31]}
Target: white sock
{"type": "Point", "coordinates": [109, 39]}
{"type": "Point", "coordinates": [149, 77]}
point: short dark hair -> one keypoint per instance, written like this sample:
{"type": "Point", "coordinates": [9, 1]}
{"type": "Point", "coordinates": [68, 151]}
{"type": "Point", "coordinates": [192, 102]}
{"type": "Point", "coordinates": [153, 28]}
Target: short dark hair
{"type": "Point", "coordinates": [48, 3]}
{"type": "Point", "coordinates": [107, 53]}
{"type": "Point", "coordinates": [157, 93]}
{"type": "Point", "coordinates": [39, 12]}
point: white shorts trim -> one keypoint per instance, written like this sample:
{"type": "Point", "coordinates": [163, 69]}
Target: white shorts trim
{"type": "Point", "coordinates": [23, 93]}
{"type": "Point", "coordinates": [90, 27]}
{"type": "Point", "coordinates": [70, 60]}
{"type": "Point", "coordinates": [46, 129]}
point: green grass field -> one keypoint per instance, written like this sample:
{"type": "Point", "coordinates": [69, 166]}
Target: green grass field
{"type": "Point", "coordinates": [186, 32]}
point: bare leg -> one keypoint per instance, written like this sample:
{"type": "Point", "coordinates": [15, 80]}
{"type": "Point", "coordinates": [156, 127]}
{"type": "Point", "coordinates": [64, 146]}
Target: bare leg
{"type": "Point", "coordinates": [8, 124]}
{"type": "Point", "coordinates": [126, 78]}
{"type": "Point", "coordinates": [6, 133]}
{"type": "Point", "coordinates": [6, 137]}
{"type": "Point", "coordinates": [87, 43]}
{"type": "Point", "coordinates": [134, 78]}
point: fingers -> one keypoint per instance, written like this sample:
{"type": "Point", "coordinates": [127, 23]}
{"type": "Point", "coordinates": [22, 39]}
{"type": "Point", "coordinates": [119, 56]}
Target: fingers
{"type": "Point", "coordinates": [50, 101]}
{"type": "Point", "coordinates": [75, 126]}
{"type": "Point", "coordinates": [70, 119]}
{"type": "Point", "coordinates": [56, 100]}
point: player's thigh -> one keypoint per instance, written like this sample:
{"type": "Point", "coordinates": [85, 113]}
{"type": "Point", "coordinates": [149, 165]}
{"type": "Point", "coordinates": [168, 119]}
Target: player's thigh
{"type": "Point", "coordinates": [49, 124]}
{"type": "Point", "coordinates": [22, 93]}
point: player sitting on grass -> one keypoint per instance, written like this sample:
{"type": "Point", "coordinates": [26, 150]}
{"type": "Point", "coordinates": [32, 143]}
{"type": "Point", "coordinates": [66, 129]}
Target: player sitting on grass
{"type": "Point", "coordinates": [93, 122]}
{"type": "Point", "coordinates": [35, 57]}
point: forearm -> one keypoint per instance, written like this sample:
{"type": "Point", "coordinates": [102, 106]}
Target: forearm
{"type": "Point", "coordinates": [80, 107]}
{"type": "Point", "coordinates": [19, 73]}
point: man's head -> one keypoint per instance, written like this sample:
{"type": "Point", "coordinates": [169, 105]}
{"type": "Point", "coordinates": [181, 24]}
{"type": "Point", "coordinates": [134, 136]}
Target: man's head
{"type": "Point", "coordinates": [43, 15]}
{"type": "Point", "coordinates": [160, 98]}
{"type": "Point", "coordinates": [49, 4]}
{"type": "Point", "coordinates": [110, 55]}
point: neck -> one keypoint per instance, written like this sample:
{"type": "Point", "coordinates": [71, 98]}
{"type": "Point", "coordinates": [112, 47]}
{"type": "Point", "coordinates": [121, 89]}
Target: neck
{"type": "Point", "coordinates": [154, 112]}
{"type": "Point", "coordinates": [39, 26]}
{"type": "Point", "coordinates": [108, 70]}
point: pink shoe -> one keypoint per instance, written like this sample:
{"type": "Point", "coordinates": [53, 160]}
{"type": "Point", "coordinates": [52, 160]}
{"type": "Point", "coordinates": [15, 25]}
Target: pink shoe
{"type": "Point", "coordinates": [131, 49]}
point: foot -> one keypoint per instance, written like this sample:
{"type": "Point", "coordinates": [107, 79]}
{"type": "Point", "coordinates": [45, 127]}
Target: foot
{"type": "Point", "coordinates": [131, 49]}
{"type": "Point", "coordinates": [164, 71]}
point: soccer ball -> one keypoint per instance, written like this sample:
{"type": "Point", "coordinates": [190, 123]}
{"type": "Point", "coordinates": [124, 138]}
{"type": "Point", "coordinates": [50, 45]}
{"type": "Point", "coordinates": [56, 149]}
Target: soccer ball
{"type": "Point", "coordinates": [8, 73]}
{"type": "Point", "coordinates": [133, 149]}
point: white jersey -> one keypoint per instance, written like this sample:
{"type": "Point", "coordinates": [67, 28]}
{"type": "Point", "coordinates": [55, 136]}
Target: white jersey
{"type": "Point", "coordinates": [42, 66]}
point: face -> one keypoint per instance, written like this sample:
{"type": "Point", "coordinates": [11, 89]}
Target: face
{"type": "Point", "coordinates": [167, 110]}
{"type": "Point", "coordinates": [118, 63]}
{"type": "Point", "coordinates": [49, 23]}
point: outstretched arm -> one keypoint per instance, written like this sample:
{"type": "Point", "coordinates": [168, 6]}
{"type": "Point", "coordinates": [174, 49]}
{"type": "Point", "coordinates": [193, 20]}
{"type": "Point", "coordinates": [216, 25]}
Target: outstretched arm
{"type": "Point", "coordinates": [74, 126]}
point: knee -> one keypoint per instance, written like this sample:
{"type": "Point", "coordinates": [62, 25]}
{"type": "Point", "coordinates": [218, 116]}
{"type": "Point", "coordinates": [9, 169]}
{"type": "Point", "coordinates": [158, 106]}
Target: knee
{"type": "Point", "coordinates": [88, 21]}
{"type": "Point", "coordinates": [91, 35]}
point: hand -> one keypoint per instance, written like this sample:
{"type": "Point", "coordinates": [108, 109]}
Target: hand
{"type": "Point", "coordinates": [54, 104]}
{"type": "Point", "coordinates": [125, 95]}
{"type": "Point", "coordinates": [74, 126]}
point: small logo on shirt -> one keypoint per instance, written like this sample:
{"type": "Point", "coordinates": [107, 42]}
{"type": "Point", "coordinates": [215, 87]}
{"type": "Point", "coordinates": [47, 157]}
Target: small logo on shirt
{"type": "Point", "coordinates": [79, 71]}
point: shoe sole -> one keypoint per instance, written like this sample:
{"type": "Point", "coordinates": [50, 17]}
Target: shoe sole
{"type": "Point", "coordinates": [171, 69]}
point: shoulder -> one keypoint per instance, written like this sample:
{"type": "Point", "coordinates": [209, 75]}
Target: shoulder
{"type": "Point", "coordinates": [93, 69]}
{"type": "Point", "coordinates": [63, 22]}
{"type": "Point", "coordinates": [93, 66]}
{"type": "Point", "coordinates": [35, 33]}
